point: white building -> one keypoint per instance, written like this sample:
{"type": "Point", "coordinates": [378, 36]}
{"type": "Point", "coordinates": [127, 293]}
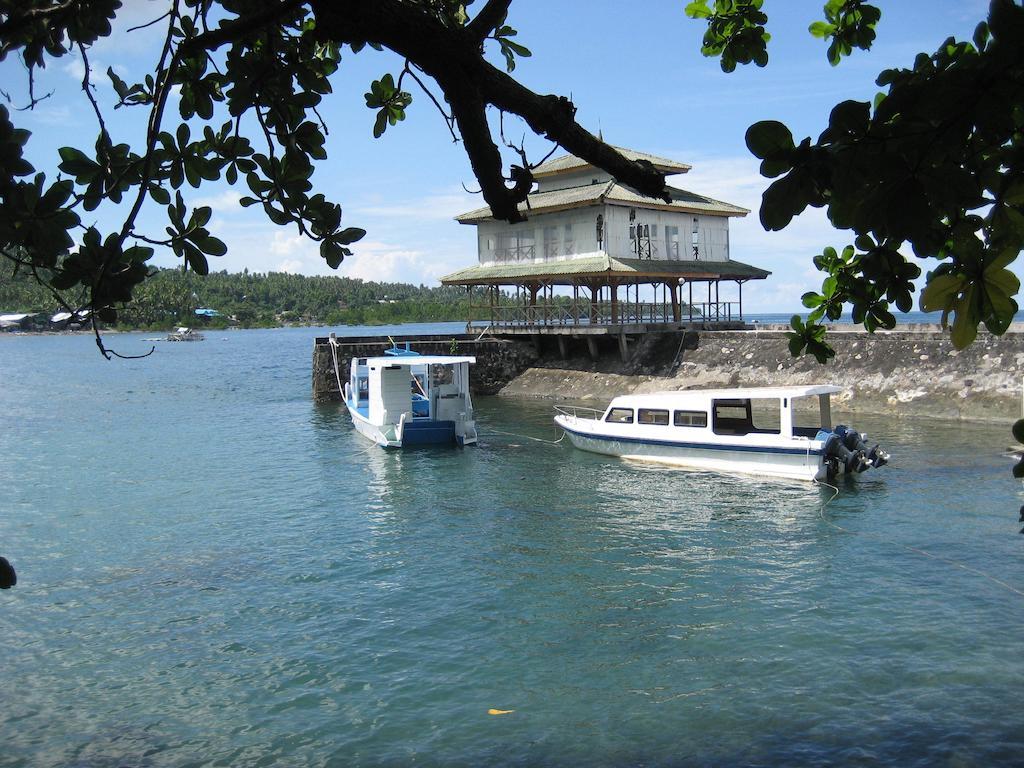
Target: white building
{"type": "Point", "coordinates": [589, 232]}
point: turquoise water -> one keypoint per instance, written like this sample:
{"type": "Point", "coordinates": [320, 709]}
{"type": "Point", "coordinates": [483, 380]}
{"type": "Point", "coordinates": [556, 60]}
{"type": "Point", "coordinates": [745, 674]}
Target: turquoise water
{"type": "Point", "coordinates": [213, 570]}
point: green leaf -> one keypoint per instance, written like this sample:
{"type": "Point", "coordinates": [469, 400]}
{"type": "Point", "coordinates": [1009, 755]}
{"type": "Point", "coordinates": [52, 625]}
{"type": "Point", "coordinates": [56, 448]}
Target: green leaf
{"type": "Point", "coordinates": [1018, 430]}
{"type": "Point", "coordinates": [698, 9]}
{"type": "Point", "coordinates": [769, 139]}
{"type": "Point", "coordinates": [941, 291]}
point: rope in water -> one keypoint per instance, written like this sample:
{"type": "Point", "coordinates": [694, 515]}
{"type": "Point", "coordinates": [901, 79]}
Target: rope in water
{"type": "Point", "coordinates": [527, 437]}
{"type": "Point", "coordinates": [337, 373]}
{"type": "Point", "coordinates": [908, 547]}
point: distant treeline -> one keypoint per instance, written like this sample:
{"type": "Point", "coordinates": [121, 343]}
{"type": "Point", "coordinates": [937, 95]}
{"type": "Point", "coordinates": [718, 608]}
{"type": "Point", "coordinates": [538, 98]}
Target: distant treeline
{"type": "Point", "coordinates": [253, 300]}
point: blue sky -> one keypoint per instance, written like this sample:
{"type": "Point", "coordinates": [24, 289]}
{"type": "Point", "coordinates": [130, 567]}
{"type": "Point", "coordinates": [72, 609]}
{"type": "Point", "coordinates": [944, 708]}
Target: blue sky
{"type": "Point", "coordinates": [634, 71]}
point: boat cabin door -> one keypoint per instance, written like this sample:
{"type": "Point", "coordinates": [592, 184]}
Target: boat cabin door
{"type": "Point", "coordinates": [448, 391]}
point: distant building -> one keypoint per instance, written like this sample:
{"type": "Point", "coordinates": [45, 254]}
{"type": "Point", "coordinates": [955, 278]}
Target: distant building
{"type": "Point", "coordinates": [607, 244]}
{"type": "Point", "coordinates": [207, 313]}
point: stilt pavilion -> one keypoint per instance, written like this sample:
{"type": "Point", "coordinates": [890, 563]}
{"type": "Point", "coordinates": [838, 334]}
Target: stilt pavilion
{"type": "Point", "coordinates": [596, 257]}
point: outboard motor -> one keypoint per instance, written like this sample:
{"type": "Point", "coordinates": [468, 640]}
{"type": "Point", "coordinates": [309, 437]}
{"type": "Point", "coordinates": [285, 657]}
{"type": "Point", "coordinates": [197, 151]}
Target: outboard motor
{"type": "Point", "coordinates": [846, 446]}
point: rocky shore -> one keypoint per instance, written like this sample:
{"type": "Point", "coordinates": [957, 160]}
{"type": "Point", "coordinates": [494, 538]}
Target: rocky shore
{"type": "Point", "coordinates": [914, 371]}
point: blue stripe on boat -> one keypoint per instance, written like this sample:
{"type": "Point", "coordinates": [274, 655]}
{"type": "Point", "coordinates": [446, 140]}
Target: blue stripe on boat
{"type": "Point", "coordinates": [709, 446]}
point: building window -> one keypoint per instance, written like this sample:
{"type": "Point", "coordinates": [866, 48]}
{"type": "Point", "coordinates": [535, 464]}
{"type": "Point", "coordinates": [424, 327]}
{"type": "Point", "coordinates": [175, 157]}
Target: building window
{"type": "Point", "coordinates": [568, 241]}
{"type": "Point", "coordinates": [672, 243]}
{"type": "Point", "coordinates": [695, 238]}
{"type": "Point", "coordinates": [550, 242]}
{"type": "Point", "coordinates": [652, 416]}
{"type": "Point", "coordinates": [690, 418]}
{"type": "Point", "coordinates": [620, 416]}
{"type": "Point", "coordinates": [515, 245]}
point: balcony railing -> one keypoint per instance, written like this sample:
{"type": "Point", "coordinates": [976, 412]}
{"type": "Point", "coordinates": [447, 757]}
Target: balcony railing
{"type": "Point", "coordinates": [585, 313]}
{"type": "Point", "coordinates": [515, 254]}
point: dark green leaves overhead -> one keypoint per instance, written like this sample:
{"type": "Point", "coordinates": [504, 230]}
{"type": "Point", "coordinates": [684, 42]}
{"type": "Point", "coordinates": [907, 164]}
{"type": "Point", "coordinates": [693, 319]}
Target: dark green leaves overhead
{"type": "Point", "coordinates": [389, 101]}
{"type": "Point", "coordinates": [934, 167]}
{"type": "Point", "coordinates": [735, 31]}
{"type": "Point", "coordinates": [509, 48]}
{"type": "Point", "coordinates": [849, 24]}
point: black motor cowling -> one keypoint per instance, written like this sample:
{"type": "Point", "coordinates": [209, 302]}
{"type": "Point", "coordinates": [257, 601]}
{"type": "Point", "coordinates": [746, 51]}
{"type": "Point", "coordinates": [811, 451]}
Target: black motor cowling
{"type": "Point", "coordinates": [846, 446]}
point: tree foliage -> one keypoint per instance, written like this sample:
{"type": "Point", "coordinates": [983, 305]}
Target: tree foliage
{"type": "Point", "coordinates": [169, 298]}
{"type": "Point", "coordinates": [935, 165]}
{"type": "Point", "coordinates": [249, 76]}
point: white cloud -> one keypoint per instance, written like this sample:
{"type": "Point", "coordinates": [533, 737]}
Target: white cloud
{"type": "Point", "coordinates": [75, 68]}
{"type": "Point", "coordinates": [438, 207]}
{"type": "Point", "coordinates": [788, 253]}
{"type": "Point", "coordinates": [291, 266]}
{"type": "Point", "coordinates": [225, 202]}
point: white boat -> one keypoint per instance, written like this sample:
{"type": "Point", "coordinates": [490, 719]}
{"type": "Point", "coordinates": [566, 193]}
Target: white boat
{"type": "Point", "coordinates": [405, 399]}
{"type": "Point", "coordinates": [184, 334]}
{"type": "Point", "coordinates": [766, 431]}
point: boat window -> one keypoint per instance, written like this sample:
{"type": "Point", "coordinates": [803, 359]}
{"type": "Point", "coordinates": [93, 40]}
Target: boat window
{"type": "Point", "coordinates": [652, 416]}
{"type": "Point", "coordinates": [744, 417]}
{"type": "Point", "coordinates": [620, 416]}
{"type": "Point", "coordinates": [441, 374]}
{"type": "Point", "coordinates": [690, 418]}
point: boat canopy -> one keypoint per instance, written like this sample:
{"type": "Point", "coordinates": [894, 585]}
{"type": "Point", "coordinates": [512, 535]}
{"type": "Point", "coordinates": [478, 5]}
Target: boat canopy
{"type": "Point", "coordinates": [742, 393]}
{"type": "Point", "coordinates": [410, 361]}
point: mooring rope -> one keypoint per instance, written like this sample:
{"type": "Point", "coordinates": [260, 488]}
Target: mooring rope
{"type": "Point", "coordinates": [527, 437]}
{"type": "Point", "coordinates": [908, 547]}
{"type": "Point", "coordinates": [337, 373]}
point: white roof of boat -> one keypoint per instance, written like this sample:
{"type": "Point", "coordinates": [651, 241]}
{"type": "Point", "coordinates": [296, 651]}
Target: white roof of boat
{"type": "Point", "coordinates": [740, 393]}
{"type": "Point", "coordinates": [411, 360]}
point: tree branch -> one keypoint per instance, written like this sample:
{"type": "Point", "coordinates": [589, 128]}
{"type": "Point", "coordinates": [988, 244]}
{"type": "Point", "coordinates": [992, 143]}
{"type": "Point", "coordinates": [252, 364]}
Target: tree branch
{"type": "Point", "coordinates": [235, 29]}
{"type": "Point", "coordinates": [470, 83]}
{"type": "Point", "coordinates": [490, 16]}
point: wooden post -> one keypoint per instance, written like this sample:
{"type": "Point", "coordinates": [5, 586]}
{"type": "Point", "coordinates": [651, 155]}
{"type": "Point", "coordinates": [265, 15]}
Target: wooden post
{"type": "Point", "coordinates": [623, 347]}
{"type": "Point", "coordinates": [614, 287]}
{"type": "Point", "coordinates": [592, 347]}
{"type": "Point", "coordinates": [676, 311]}
{"type": "Point", "coordinates": [740, 284]}
{"type": "Point", "coordinates": [595, 287]}
{"type": "Point", "coordinates": [531, 307]}
{"type": "Point", "coordinates": [561, 347]}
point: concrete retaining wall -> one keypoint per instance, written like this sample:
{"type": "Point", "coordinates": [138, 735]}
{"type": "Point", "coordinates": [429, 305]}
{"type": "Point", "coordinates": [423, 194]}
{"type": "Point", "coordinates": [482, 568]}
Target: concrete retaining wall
{"type": "Point", "coordinates": [498, 362]}
{"type": "Point", "coordinates": [914, 371]}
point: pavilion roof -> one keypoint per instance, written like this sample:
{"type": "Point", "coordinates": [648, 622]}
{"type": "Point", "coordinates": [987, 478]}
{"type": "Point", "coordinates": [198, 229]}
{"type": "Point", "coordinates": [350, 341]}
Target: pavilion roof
{"type": "Point", "coordinates": [613, 193]}
{"type": "Point", "coordinates": [571, 163]}
{"type": "Point", "coordinates": [567, 270]}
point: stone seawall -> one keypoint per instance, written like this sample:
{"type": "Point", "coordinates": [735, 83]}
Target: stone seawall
{"type": "Point", "coordinates": [498, 362]}
{"type": "Point", "coordinates": [914, 371]}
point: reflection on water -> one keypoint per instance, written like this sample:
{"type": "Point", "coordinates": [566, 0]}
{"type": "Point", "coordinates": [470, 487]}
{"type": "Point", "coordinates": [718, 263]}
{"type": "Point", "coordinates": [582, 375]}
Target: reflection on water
{"type": "Point", "coordinates": [213, 569]}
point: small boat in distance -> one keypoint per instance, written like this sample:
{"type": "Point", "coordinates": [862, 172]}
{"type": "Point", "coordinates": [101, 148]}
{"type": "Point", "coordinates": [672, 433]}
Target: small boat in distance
{"type": "Point", "coordinates": [184, 334]}
{"type": "Point", "coordinates": [406, 399]}
{"type": "Point", "coordinates": [764, 431]}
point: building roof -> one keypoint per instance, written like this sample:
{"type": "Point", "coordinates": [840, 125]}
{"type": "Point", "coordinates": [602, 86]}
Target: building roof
{"type": "Point", "coordinates": [570, 163]}
{"type": "Point", "coordinates": [603, 266]}
{"type": "Point", "coordinates": [614, 193]}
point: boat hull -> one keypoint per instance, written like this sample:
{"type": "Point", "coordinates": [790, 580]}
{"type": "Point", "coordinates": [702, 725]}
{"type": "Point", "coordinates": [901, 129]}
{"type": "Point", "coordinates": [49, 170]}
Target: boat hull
{"type": "Point", "coordinates": [763, 461]}
{"type": "Point", "coordinates": [412, 433]}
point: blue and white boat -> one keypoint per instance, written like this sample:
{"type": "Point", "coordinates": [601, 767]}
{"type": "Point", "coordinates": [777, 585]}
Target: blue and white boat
{"type": "Point", "coordinates": [768, 431]}
{"type": "Point", "coordinates": [405, 399]}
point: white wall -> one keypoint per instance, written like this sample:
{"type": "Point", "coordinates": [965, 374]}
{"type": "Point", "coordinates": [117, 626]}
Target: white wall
{"type": "Point", "coordinates": [393, 396]}
{"type": "Point", "coordinates": [500, 242]}
{"type": "Point", "coordinates": [712, 234]}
